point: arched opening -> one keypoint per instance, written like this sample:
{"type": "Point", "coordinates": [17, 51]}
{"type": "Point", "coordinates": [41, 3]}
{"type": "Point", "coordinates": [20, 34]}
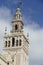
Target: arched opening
{"type": "Point", "coordinates": [16, 42]}
{"type": "Point", "coordinates": [8, 43]}
{"type": "Point", "coordinates": [16, 27]}
{"type": "Point", "coordinates": [13, 41]}
{"type": "Point", "coordinates": [12, 60]}
{"type": "Point", "coordinates": [8, 63]}
{"type": "Point", "coordinates": [5, 43]}
{"type": "Point", "coordinates": [20, 42]}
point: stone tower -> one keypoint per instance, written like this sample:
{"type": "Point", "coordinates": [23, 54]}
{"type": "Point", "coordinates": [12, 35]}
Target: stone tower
{"type": "Point", "coordinates": [16, 45]}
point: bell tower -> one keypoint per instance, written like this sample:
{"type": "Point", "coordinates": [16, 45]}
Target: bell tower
{"type": "Point", "coordinates": [17, 23]}
{"type": "Point", "coordinates": [16, 43]}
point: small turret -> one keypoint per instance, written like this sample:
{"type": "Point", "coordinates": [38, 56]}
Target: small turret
{"type": "Point", "coordinates": [18, 15]}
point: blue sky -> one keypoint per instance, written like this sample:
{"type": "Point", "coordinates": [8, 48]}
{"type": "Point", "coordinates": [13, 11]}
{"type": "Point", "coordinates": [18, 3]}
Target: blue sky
{"type": "Point", "coordinates": [32, 13]}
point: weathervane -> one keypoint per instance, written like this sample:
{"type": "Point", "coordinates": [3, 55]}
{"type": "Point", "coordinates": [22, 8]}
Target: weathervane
{"type": "Point", "coordinates": [19, 4]}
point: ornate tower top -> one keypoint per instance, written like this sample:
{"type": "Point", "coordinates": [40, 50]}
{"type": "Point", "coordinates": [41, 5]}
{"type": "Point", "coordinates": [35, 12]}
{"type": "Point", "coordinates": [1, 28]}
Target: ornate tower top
{"type": "Point", "coordinates": [17, 22]}
{"type": "Point", "coordinates": [18, 15]}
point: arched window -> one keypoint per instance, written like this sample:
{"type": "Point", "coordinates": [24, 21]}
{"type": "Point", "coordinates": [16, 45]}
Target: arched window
{"type": "Point", "coordinates": [8, 43]}
{"type": "Point", "coordinates": [16, 42]}
{"type": "Point", "coordinates": [16, 27]}
{"type": "Point", "coordinates": [5, 43]}
{"type": "Point", "coordinates": [13, 41]}
{"type": "Point", "coordinates": [20, 42]}
{"type": "Point", "coordinates": [8, 63]}
{"type": "Point", "coordinates": [12, 60]}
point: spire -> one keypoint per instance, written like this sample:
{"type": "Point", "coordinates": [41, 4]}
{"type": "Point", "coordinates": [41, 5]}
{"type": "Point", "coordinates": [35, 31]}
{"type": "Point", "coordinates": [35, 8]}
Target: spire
{"type": "Point", "coordinates": [18, 15]}
{"type": "Point", "coordinates": [17, 22]}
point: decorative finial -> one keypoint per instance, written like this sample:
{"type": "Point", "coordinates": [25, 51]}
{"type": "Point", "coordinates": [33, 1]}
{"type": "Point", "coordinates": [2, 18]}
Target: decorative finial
{"type": "Point", "coordinates": [27, 35]}
{"type": "Point", "coordinates": [19, 4]}
{"type": "Point", "coordinates": [5, 30]}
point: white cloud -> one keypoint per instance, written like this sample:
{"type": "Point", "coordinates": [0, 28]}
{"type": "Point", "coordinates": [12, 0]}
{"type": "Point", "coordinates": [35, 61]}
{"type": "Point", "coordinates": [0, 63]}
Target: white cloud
{"type": "Point", "coordinates": [36, 43]}
{"type": "Point", "coordinates": [5, 18]}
